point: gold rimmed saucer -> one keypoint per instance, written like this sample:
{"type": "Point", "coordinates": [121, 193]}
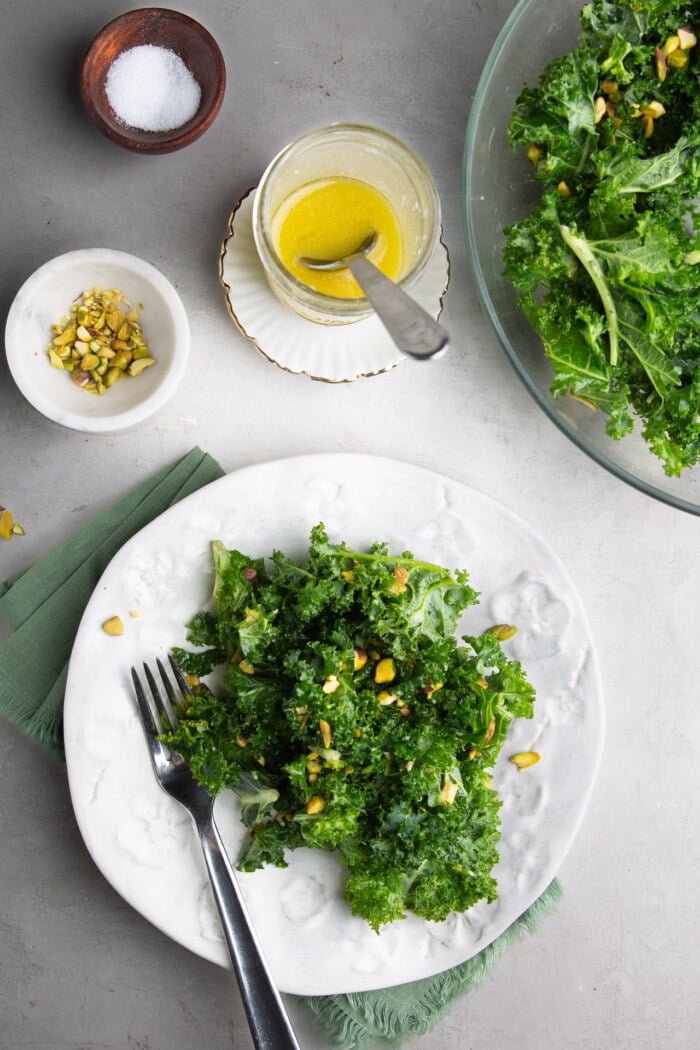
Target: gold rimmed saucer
{"type": "Point", "coordinates": [329, 354]}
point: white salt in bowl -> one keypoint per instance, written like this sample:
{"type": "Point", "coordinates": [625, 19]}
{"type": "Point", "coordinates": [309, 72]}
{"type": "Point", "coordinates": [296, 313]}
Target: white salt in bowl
{"type": "Point", "coordinates": [159, 27]}
{"type": "Point", "coordinates": [48, 295]}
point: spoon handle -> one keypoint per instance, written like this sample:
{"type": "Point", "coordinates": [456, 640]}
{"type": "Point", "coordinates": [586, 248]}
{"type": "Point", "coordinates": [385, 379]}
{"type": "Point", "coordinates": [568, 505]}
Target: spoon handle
{"type": "Point", "coordinates": [412, 329]}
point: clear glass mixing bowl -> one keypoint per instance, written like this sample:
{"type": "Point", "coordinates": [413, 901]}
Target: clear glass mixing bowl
{"type": "Point", "coordinates": [499, 190]}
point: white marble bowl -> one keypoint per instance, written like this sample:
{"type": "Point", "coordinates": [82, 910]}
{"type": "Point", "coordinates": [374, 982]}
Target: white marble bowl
{"type": "Point", "coordinates": [48, 294]}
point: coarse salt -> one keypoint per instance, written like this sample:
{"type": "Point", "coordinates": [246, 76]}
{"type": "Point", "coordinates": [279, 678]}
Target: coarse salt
{"type": "Point", "coordinates": [151, 88]}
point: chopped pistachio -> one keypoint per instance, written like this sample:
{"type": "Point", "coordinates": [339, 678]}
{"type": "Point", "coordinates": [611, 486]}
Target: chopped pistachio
{"type": "Point", "coordinates": [598, 109]}
{"type": "Point", "coordinates": [326, 733]}
{"type": "Point", "coordinates": [654, 110]}
{"type": "Point", "coordinates": [97, 331]}
{"type": "Point", "coordinates": [672, 44]}
{"type": "Point", "coordinates": [7, 522]}
{"type": "Point", "coordinates": [564, 189]}
{"type": "Point", "coordinates": [525, 759]}
{"type": "Point", "coordinates": [316, 804]}
{"type": "Point", "coordinates": [137, 367]}
{"type": "Point", "coordinates": [68, 336]}
{"type": "Point", "coordinates": [400, 583]}
{"type": "Point", "coordinates": [502, 631]}
{"type": "Point", "coordinates": [385, 670]}
{"type": "Point", "coordinates": [113, 626]}
{"type": "Point", "coordinates": [677, 59]}
{"type": "Point", "coordinates": [359, 660]}
{"type": "Point", "coordinates": [122, 359]}
{"type": "Point", "coordinates": [686, 39]}
{"type": "Point", "coordinates": [534, 154]}
{"type": "Point", "coordinates": [661, 65]}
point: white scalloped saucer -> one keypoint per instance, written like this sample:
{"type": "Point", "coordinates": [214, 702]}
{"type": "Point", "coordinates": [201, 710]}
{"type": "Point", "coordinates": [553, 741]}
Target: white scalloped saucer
{"type": "Point", "coordinates": [331, 354]}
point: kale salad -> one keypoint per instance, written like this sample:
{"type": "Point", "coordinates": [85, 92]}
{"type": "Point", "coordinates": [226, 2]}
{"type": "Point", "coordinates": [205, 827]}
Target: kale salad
{"type": "Point", "coordinates": [607, 265]}
{"type": "Point", "coordinates": [350, 718]}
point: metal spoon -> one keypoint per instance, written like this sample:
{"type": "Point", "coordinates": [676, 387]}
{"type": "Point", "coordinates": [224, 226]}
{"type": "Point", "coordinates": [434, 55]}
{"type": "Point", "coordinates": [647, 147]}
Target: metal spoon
{"type": "Point", "coordinates": [412, 329]}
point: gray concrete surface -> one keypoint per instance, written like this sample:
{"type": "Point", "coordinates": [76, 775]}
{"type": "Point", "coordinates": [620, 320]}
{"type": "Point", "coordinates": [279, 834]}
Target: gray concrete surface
{"type": "Point", "coordinates": [618, 967]}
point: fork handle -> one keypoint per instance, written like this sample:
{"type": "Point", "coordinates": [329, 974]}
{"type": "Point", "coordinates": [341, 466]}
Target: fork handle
{"type": "Point", "coordinates": [267, 1018]}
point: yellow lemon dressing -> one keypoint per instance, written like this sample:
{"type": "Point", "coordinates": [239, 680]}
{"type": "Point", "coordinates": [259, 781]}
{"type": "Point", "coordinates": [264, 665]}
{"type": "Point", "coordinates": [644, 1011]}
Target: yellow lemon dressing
{"type": "Point", "coordinates": [329, 219]}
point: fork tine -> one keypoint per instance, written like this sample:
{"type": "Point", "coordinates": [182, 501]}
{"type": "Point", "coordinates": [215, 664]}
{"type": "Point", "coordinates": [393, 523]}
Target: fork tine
{"type": "Point", "coordinates": [157, 699]}
{"type": "Point", "coordinates": [171, 704]}
{"type": "Point", "coordinates": [180, 678]}
{"type": "Point", "coordinates": [149, 725]}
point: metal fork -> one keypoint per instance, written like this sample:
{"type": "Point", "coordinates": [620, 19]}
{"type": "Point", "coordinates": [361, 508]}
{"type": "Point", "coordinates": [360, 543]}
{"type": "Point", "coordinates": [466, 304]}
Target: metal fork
{"type": "Point", "coordinates": [267, 1019]}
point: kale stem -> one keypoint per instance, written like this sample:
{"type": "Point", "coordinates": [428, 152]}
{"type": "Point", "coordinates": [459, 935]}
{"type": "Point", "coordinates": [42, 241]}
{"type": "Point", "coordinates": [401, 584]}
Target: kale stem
{"type": "Point", "coordinates": [579, 246]}
{"type": "Point", "coordinates": [347, 552]}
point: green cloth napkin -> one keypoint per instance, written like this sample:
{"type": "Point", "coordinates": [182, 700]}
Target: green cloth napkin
{"type": "Point", "coordinates": [43, 605]}
{"type": "Point", "coordinates": [389, 1016]}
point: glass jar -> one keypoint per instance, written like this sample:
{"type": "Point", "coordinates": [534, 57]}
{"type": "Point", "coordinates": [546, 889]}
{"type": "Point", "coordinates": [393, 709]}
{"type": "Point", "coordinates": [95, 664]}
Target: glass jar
{"type": "Point", "coordinates": [368, 155]}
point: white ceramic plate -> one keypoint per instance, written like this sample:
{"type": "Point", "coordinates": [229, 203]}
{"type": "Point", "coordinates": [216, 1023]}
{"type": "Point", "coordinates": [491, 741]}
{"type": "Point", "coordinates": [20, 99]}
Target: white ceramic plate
{"type": "Point", "coordinates": [329, 353]}
{"type": "Point", "coordinates": [48, 294]}
{"type": "Point", "coordinates": [143, 842]}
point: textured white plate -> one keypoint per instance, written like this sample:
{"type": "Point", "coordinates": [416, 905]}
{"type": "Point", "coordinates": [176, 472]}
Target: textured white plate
{"type": "Point", "coordinates": [334, 354]}
{"type": "Point", "coordinates": [143, 842]}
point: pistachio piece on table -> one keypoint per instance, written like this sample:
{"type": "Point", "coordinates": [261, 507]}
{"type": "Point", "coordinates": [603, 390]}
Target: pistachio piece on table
{"type": "Point", "coordinates": [6, 524]}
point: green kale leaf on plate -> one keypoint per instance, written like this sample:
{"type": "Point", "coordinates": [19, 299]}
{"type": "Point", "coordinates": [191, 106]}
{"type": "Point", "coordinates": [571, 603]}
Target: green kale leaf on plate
{"type": "Point", "coordinates": [607, 265]}
{"type": "Point", "coordinates": [350, 718]}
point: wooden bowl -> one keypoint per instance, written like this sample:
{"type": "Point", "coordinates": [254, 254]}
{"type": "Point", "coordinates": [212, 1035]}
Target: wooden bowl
{"type": "Point", "coordinates": [162, 28]}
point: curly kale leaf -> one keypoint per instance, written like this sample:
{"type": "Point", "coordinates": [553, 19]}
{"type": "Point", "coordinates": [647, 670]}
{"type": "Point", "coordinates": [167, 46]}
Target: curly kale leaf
{"type": "Point", "coordinates": [607, 265]}
{"type": "Point", "coordinates": [353, 720]}
{"type": "Point", "coordinates": [560, 116]}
